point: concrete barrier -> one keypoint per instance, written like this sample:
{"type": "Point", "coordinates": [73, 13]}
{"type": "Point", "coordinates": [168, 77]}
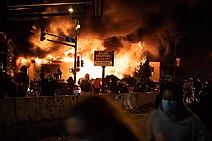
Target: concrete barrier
{"type": "Point", "coordinates": [14, 110]}
{"type": "Point", "coordinates": [133, 99]}
{"type": "Point", "coordinates": [7, 111]}
{"type": "Point", "coordinates": [140, 99]}
{"type": "Point", "coordinates": [44, 107]}
{"type": "Point", "coordinates": [119, 99]}
{"type": "Point", "coordinates": [129, 102]}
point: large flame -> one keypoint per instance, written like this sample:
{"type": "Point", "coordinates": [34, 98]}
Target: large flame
{"type": "Point", "coordinates": [126, 57]}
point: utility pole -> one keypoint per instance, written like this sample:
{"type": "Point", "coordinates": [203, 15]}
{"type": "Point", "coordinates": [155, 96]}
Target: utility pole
{"type": "Point", "coordinates": [103, 79]}
{"type": "Point", "coordinates": [75, 61]}
{"type": "Point", "coordinates": [75, 49]}
{"type": "Point", "coordinates": [176, 35]}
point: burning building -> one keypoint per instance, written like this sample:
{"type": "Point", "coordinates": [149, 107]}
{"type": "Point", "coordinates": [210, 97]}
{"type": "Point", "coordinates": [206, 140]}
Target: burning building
{"type": "Point", "coordinates": [132, 40]}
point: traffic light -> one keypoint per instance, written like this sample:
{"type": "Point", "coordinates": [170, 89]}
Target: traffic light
{"type": "Point", "coordinates": [77, 69]}
{"type": "Point", "coordinates": [42, 34]}
{"type": "Point", "coordinates": [82, 63]}
{"type": "Point", "coordinates": [78, 60]}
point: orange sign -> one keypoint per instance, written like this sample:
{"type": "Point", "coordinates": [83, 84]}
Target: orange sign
{"type": "Point", "coordinates": [103, 58]}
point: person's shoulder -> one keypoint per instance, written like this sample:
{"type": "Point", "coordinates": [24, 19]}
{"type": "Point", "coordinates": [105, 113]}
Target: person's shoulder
{"type": "Point", "coordinates": [83, 81]}
{"type": "Point", "coordinates": [199, 127]}
{"type": "Point", "coordinates": [17, 76]}
{"type": "Point", "coordinates": [194, 119]}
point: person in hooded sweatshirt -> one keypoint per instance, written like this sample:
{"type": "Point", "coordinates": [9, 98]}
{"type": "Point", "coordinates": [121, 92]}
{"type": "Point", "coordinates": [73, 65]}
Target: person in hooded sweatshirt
{"type": "Point", "coordinates": [173, 121]}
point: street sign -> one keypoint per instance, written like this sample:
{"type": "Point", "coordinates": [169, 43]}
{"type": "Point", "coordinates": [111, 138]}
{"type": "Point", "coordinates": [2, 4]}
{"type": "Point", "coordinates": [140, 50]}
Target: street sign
{"type": "Point", "coordinates": [103, 58]}
{"type": "Point", "coordinates": [70, 40]}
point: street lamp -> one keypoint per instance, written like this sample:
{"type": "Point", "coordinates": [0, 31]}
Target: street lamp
{"type": "Point", "coordinates": [71, 10]}
{"type": "Point", "coordinates": [75, 50]}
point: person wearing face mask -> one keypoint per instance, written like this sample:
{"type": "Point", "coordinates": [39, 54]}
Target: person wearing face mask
{"type": "Point", "coordinates": [173, 121]}
{"type": "Point", "coordinates": [21, 81]}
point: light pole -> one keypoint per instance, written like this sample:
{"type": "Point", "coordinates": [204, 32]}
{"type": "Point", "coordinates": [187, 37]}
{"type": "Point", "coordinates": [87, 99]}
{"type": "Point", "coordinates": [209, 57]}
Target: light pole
{"type": "Point", "coordinates": [75, 50]}
{"type": "Point", "coordinates": [176, 35]}
{"type": "Point", "coordinates": [71, 10]}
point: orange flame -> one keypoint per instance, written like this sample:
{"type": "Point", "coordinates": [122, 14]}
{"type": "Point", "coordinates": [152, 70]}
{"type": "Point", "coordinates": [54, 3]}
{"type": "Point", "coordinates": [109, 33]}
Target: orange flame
{"type": "Point", "coordinates": [126, 58]}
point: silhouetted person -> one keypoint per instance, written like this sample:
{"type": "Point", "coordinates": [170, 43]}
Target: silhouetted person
{"type": "Point", "coordinates": [70, 84]}
{"type": "Point", "coordinates": [97, 85]}
{"type": "Point", "coordinates": [97, 119]}
{"type": "Point", "coordinates": [56, 76]}
{"type": "Point", "coordinates": [59, 72]}
{"type": "Point", "coordinates": [51, 86]}
{"type": "Point", "coordinates": [173, 121]}
{"type": "Point", "coordinates": [4, 83]}
{"type": "Point", "coordinates": [86, 85]}
{"type": "Point", "coordinates": [43, 82]}
{"type": "Point", "coordinates": [21, 80]}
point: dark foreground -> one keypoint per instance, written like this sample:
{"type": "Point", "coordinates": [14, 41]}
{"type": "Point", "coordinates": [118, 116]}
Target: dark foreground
{"type": "Point", "coordinates": [53, 130]}
{"type": "Point", "coordinates": [138, 120]}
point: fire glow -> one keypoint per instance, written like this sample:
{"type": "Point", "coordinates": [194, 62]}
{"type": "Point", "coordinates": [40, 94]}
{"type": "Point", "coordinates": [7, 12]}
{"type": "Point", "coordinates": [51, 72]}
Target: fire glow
{"type": "Point", "coordinates": [126, 57]}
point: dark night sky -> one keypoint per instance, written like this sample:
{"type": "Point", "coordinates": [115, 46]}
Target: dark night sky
{"type": "Point", "coordinates": [195, 48]}
{"type": "Point", "coordinates": [190, 16]}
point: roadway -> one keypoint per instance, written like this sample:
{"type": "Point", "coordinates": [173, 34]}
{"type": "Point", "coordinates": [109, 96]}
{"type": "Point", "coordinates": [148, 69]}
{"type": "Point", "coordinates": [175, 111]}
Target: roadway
{"type": "Point", "coordinates": [138, 120]}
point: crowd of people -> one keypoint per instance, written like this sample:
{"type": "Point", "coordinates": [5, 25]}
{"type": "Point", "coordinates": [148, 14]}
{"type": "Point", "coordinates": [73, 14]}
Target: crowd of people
{"type": "Point", "coordinates": [96, 118]}
{"type": "Point", "coordinates": [20, 86]}
{"type": "Point", "coordinates": [194, 89]}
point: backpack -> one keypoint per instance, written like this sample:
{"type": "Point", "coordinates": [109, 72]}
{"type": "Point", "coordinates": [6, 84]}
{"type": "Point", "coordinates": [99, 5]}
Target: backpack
{"type": "Point", "coordinates": [86, 86]}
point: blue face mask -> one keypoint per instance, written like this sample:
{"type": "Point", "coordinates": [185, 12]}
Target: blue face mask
{"type": "Point", "coordinates": [168, 106]}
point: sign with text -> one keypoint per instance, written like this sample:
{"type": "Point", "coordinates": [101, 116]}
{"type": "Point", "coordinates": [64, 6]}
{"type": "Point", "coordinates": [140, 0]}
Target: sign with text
{"type": "Point", "coordinates": [103, 58]}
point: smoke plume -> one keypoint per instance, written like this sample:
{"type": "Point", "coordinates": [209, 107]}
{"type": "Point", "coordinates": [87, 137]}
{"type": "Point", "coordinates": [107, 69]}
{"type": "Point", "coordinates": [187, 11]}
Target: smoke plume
{"type": "Point", "coordinates": [124, 22]}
